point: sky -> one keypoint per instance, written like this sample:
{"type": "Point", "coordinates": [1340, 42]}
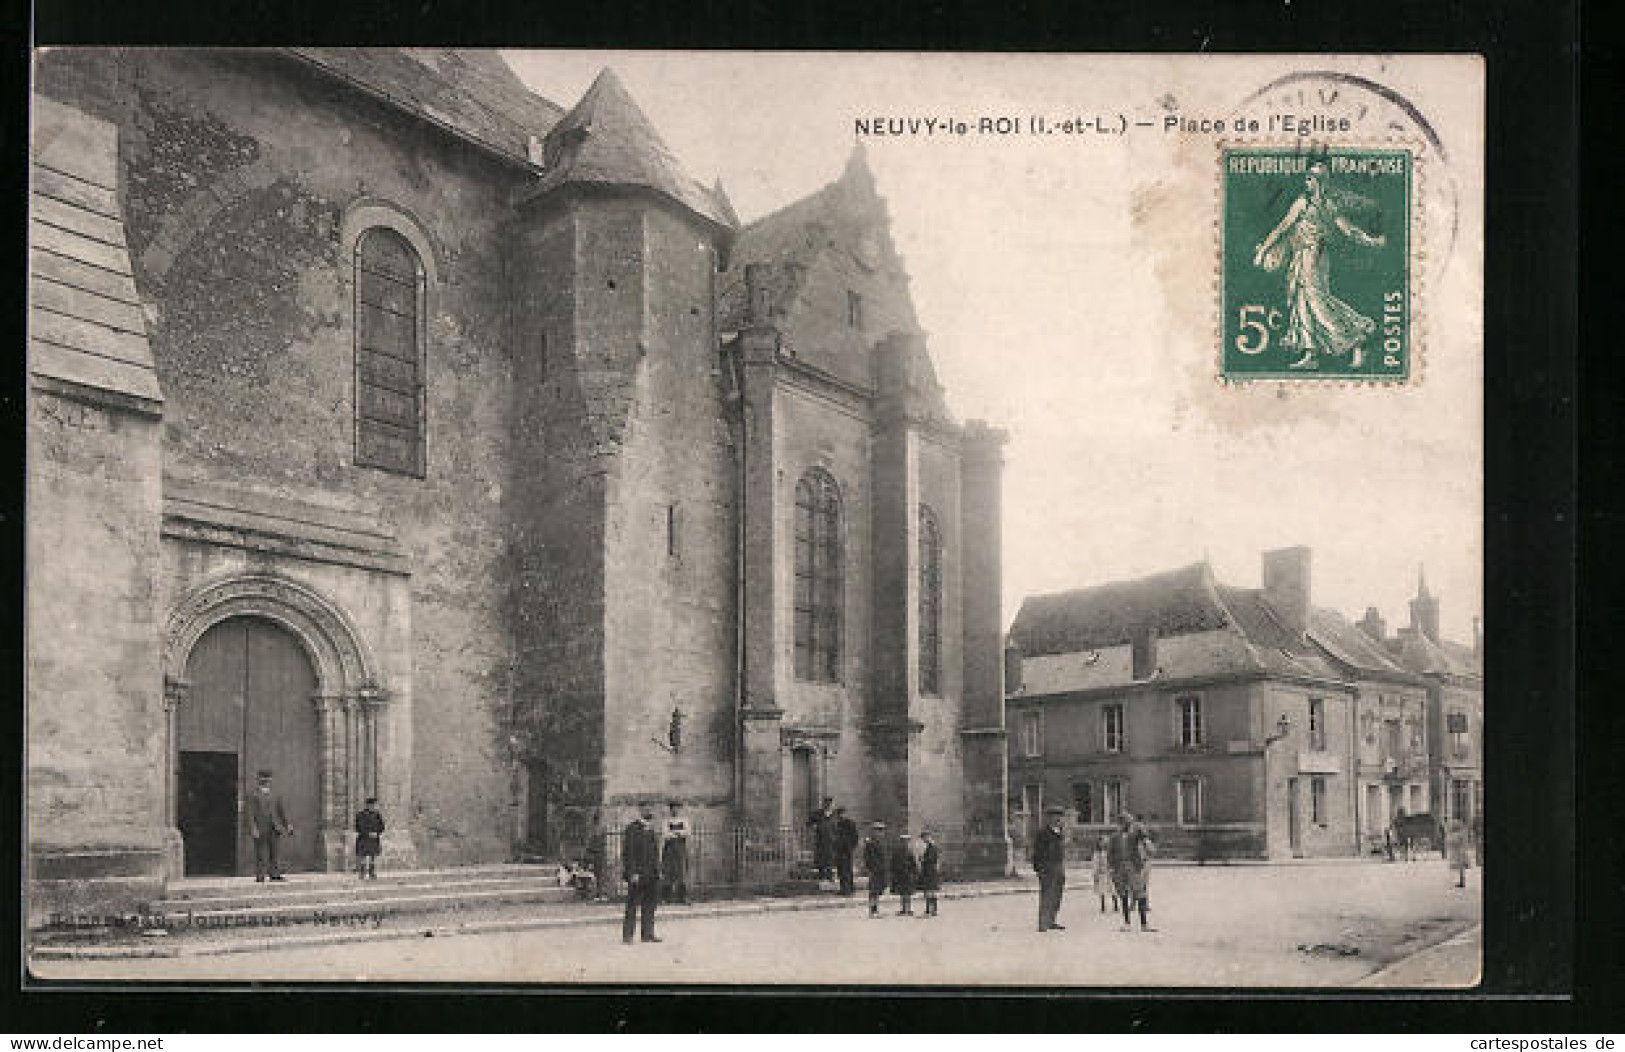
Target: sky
{"type": "Point", "coordinates": [1066, 286]}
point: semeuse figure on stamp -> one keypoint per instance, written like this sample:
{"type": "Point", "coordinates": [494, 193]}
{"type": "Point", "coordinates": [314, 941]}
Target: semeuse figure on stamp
{"type": "Point", "coordinates": [1317, 321]}
{"type": "Point", "coordinates": [640, 868]}
{"type": "Point", "coordinates": [1049, 862]}
{"type": "Point", "coordinates": [267, 823]}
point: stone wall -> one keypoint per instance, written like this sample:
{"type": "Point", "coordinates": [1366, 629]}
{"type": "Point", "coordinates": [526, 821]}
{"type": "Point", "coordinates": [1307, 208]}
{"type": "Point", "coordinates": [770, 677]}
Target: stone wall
{"type": "Point", "coordinates": [238, 172]}
{"type": "Point", "coordinates": [95, 701]}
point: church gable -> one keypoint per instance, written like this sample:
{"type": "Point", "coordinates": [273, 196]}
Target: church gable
{"type": "Point", "coordinates": [837, 285]}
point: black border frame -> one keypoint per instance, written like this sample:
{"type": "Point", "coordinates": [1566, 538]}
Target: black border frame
{"type": "Point", "coordinates": [1533, 283]}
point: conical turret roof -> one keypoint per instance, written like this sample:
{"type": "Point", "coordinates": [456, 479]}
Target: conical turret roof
{"type": "Point", "coordinates": [606, 140]}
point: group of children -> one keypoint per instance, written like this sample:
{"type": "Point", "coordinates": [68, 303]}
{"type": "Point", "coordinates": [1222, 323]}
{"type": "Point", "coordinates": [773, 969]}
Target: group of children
{"type": "Point", "coordinates": [1121, 867]}
{"type": "Point", "coordinates": [898, 869]}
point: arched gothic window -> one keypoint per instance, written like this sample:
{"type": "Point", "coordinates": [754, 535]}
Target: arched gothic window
{"type": "Point", "coordinates": [930, 627]}
{"type": "Point", "coordinates": [389, 340]}
{"type": "Point", "coordinates": [818, 578]}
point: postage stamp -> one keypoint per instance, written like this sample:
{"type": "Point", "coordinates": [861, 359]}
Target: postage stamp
{"type": "Point", "coordinates": [1316, 254]}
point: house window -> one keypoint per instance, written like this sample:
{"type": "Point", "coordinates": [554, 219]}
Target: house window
{"type": "Point", "coordinates": [1083, 798]}
{"type": "Point", "coordinates": [854, 310]}
{"type": "Point", "coordinates": [389, 327]}
{"type": "Point", "coordinates": [1317, 801]}
{"type": "Point", "coordinates": [1032, 734]}
{"type": "Point", "coordinates": [1113, 800]}
{"type": "Point", "coordinates": [1456, 724]}
{"type": "Point", "coordinates": [1189, 731]}
{"type": "Point", "coordinates": [1461, 800]}
{"type": "Point", "coordinates": [1188, 800]}
{"type": "Point", "coordinates": [930, 627]}
{"type": "Point", "coordinates": [818, 578]}
{"type": "Point", "coordinates": [1111, 728]}
{"type": "Point", "coordinates": [1317, 724]}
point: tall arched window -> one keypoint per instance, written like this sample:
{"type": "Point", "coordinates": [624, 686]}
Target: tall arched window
{"type": "Point", "coordinates": [818, 578]}
{"type": "Point", "coordinates": [930, 627]}
{"type": "Point", "coordinates": [389, 335]}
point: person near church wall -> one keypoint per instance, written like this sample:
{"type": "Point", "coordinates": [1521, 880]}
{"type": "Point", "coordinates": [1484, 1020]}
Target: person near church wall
{"type": "Point", "coordinates": [846, 846]}
{"type": "Point", "coordinates": [267, 824]}
{"type": "Point", "coordinates": [674, 855]}
{"type": "Point", "coordinates": [640, 868]}
{"type": "Point", "coordinates": [930, 872]}
{"type": "Point", "coordinates": [822, 822]}
{"type": "Point", "coordinates": [875, 865]}
{"type": "Point", "coordinates": [905, 874]}
{"type": "Point", "coordinates": [369, 831]}
{"type": "Point", "coordinates": [1049, 862]}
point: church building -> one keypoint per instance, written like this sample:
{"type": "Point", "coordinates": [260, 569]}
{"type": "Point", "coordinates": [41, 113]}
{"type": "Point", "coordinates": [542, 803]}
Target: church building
{"type": "Point", "coordinates": [405, 434]}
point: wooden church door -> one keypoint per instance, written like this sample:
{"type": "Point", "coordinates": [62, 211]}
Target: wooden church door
{"type": "Point", "coordinates": [249, 709]}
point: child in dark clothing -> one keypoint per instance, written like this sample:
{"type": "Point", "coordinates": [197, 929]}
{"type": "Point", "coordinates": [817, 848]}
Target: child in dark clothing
{"type": "Point", "coordinates": [930, 872]}
{"type": "Point", "coordinates": [905, 874]}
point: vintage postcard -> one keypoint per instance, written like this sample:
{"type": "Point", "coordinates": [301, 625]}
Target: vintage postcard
{"type": "Point", "coordinates": [755, 518]}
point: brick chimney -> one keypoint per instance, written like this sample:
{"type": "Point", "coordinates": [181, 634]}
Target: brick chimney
{"type": "Point", "coordinates": [1373, 625]}
{"type": "Point", "coordinates": [1286, 586]}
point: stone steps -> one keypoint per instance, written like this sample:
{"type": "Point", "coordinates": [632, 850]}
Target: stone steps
{"type": "Point", "coordinates": [302, 897]}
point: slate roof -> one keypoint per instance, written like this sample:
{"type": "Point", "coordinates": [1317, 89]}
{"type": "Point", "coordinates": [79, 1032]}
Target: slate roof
{"type": "Point", "coordinates": [1275, 647]}
{"type": "Point", "coordinates": [606, 140]}
{"type": "Point", "coordinates": [1350, 645]}
{"type": "Point", "coordinates": [470, 93]}
{"type": "Point", "coordinates": [1174, 603]}
{"type": "Point", "coordinates": [1416, 652]}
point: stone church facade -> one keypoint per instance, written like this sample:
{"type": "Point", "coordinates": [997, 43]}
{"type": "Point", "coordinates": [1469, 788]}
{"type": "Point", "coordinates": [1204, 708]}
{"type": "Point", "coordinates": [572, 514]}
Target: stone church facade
{"type": "Point", "coordinates": [399, 431]}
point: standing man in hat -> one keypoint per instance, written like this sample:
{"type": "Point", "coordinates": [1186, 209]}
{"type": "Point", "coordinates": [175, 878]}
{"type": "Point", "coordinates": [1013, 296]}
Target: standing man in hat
{"type": "Point", "coordinates": [846, 845]}
{"type": "Point", "coordinates": [674, 856]}
{"type": "Point", "coordinates": [1049, 862]}
{"type": "Point", "coordinates": [930, 872]}
{"type": "Point", "coordinates": [874, 864]}
{"type": "Point", "coordinates": [905, 873]}
{"type": "Point", "coordinates": [267, 822]}
{"type": "Point", "coordinates": [823, 827]}
{"type": "Point", "coordinates": [640, 868]}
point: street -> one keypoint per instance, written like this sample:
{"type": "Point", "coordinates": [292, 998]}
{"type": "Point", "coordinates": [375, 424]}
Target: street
{"type": "Point", "coordinates": [1305, 924]}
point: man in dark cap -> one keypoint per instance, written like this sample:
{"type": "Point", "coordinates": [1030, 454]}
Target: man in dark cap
{"type": "Point", "coordinates": [1049, 862]}
{"type": "Point", "coordinates": [267, 823]}
{"type": "Point", "coordinates": [822, 823]}
{"type": "Point", "coordinates": [846, 845]}
{"type": "Point", "coordinates": [640, 868]}
{"type": "Point", "coordinates": [875, 864]}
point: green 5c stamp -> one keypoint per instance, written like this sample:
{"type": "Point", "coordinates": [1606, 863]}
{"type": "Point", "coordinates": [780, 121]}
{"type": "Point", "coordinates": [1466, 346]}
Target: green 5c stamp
{"type": "Point", "coordinates": [1315, 263]}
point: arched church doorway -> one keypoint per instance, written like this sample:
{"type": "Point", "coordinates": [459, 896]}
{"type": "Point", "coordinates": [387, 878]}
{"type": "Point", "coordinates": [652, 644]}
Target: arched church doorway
{"type": "Point", "coordinates": [249, 709]}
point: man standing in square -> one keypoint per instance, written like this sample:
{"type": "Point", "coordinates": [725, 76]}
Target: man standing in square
{"type": "Point", "coordinates": [640, 868]}
{"type": "Point", "coordinates": [846, 846]}
{"type": "Point", "coordinates": [1049, 862]}
{"type": "Point", "coordinates": [267, 822]}
{"type": "Point", "coordinates": [674, 855]}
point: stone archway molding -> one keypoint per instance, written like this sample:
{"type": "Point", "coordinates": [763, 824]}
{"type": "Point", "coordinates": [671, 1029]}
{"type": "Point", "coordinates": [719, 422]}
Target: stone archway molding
{"type": "Point", "coordinates": [342, 661]}
{"type": "Point", "coordinates": [347, 701]}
